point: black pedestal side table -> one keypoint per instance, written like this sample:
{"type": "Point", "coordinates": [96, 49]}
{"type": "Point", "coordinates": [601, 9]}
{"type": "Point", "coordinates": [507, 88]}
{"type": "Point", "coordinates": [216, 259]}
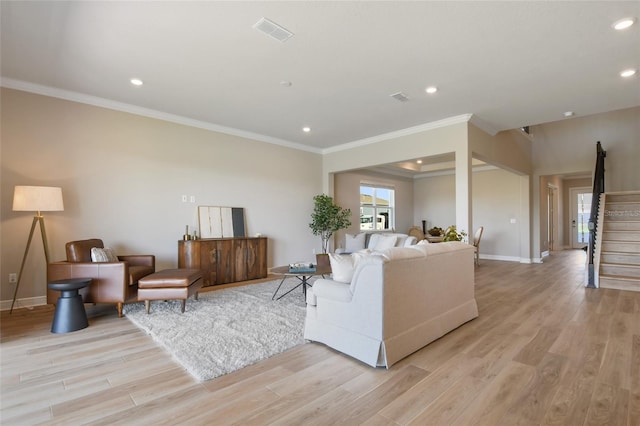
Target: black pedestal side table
{"type": "Point", "coordinates": [70, 314]}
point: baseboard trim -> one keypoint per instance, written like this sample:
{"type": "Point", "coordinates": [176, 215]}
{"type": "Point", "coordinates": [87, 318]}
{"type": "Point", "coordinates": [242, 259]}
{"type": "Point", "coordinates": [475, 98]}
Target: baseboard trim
{"type": "Point", "coordinates": [27, 302]}
{"type": "Point", "coordinates": [504, 258]}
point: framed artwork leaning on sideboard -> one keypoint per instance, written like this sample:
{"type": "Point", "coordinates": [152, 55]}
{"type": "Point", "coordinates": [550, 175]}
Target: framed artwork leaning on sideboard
{"type": "Point", "coordinates": [221, 222]}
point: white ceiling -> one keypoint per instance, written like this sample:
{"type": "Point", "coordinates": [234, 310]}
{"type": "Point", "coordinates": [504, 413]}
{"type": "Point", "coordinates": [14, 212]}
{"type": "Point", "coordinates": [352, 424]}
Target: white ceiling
{"type": "Point", "coordinates": [510, 64]}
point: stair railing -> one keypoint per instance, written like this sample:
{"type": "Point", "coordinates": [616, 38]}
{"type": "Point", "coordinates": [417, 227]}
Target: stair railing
{"type": "Point", "coordinates": [598, 188]}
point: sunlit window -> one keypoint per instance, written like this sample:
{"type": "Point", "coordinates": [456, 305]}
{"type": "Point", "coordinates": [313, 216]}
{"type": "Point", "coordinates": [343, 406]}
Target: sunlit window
{"type": "Point", "coordinates": [377, 208]}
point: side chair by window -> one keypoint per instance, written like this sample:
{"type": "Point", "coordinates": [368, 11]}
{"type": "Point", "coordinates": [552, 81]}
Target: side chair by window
{"type": "Point", "coordinates": [476, 244]}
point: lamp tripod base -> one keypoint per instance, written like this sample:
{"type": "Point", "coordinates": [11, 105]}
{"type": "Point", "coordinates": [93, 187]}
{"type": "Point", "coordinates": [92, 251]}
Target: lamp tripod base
{"type": "Point", "coordinates": [36, 219]}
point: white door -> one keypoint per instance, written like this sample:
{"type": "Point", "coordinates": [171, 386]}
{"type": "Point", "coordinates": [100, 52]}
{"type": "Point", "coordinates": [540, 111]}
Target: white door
{"type": "Point", "coordinates": [580, 212]}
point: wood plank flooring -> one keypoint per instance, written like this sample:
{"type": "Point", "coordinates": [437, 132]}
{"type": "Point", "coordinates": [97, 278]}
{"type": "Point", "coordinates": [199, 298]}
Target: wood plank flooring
{"type": "Point", "coordinates": [544, 351]}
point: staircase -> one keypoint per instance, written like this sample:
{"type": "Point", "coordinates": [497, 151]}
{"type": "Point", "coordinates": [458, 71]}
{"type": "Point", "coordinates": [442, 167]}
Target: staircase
{"type": "Point", "coordinates": [619, 241]}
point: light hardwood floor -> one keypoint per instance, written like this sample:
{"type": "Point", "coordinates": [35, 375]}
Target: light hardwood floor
{"type": "Point", "coordinates": [544, 350]}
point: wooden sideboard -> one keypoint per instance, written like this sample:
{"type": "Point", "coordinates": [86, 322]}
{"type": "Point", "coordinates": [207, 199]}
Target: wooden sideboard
{"type": "Point", "coordinates": [225, 260]}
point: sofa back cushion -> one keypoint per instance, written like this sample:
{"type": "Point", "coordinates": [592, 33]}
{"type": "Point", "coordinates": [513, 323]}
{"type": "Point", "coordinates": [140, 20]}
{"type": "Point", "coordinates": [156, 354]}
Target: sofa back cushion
{"type": "Point", "coordinates": [354, 243]}
{"type": "Point", "coordinates": [379, 242]}
{"type": "Point", "coordinates": [80, 251]}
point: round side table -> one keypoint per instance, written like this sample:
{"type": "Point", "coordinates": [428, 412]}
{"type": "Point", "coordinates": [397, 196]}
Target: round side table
{"type": "Point", "coordinates": [70, 314]}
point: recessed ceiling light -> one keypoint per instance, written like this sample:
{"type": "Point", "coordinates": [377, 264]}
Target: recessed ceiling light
{"type": "Point", "coordinates": [431, 89]}
{"type": "Point", "coordinates": [624, 23]}
{"type": "Point", "coordinates": [628, 73]}
{"type": "Point", "coordinates": [569, 114]}
{"type": "Point", "coordinates": [419, 161]}
{"type": "Point", "coordinates": [136, 82]}
{"type": "Point", "coordinates": [306, 129]}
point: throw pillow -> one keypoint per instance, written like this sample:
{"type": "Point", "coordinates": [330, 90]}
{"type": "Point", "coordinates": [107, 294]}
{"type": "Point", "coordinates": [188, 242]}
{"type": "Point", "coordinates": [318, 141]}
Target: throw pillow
{"type": "Point", "coordinates": [341, 267]}
{"type": "Point", "coordinates": [384, 242]}
{"type": "Point", "coordinates": [353, 243]}
{"type": "Point", "coordinates": [103, 255]}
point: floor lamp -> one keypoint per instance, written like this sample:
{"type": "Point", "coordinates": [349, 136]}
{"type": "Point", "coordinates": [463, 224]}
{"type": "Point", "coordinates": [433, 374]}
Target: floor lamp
{"type": "Point", "coordinates": [38, 199]}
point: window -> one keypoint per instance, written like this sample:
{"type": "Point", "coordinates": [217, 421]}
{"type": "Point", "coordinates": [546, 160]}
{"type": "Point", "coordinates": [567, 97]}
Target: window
{"type": "Point", "coordinates": [377, 208]}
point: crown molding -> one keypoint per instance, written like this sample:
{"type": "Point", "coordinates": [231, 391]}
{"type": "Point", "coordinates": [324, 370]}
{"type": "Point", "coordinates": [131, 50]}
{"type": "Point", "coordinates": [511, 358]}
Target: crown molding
{"type": "Point", "coordinates": [483, 125]}
{"type": "Point", "coordinates": [399, 133]}
{"type": "Point", "coordinates": [146, 112]}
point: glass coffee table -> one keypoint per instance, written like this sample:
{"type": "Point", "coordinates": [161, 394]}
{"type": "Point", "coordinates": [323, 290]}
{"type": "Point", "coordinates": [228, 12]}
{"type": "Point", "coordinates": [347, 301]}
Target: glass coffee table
{"type": "Point", "coordinates": [302, 276]}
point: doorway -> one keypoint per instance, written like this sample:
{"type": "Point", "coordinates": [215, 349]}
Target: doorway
{"type": "Point", "coordinates": [580, 213]}
{"type": "Point", "coordinates": [552, 216]}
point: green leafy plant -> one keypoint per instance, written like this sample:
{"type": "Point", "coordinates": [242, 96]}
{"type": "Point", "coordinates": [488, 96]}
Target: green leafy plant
{"type": "Point", "coordinates": [435, 231]}
{"type": "Point", "coordinates": [451, 234]}
{"type": "Point", "coordinates": [327, 218]}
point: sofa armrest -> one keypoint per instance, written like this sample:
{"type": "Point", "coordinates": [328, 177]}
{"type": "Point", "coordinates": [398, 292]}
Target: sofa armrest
{"type": "Point", "coordinates": [140, 260]}
{"type": "Point", "coordinates": [334, 290]}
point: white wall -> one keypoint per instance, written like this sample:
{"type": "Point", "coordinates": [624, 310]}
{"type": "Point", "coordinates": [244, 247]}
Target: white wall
{"type": "Point", "coordinates": [123, 176]}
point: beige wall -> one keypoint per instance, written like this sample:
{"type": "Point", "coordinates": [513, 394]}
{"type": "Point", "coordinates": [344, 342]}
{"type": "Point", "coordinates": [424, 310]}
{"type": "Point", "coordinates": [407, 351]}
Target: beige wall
{"type": "Point", "coordinates": [440, 140]}
{"type": "Point", "coordinates": [569, 147]}
{"type": "Point", "coordinates": [496, 200]}
{"type": "Point", "coordinates": [435, 201]}
{"type": "Point", "coordinates": [510, 150]}
{"type": "Point", "coordinates": [347, 195]}
{"type": "Point", "coordinates": [123, 176]}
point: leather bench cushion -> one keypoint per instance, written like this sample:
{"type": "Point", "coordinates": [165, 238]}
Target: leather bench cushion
{"type": "Point", "coordinates": [170, 278]}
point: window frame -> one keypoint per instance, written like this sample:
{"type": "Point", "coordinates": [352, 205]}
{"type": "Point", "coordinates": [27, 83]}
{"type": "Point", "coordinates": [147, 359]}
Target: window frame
{"type": "Point", "coordinates": [389, 208]}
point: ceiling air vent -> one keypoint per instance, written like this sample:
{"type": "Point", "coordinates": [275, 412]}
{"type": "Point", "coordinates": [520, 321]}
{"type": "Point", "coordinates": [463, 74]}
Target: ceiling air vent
{"type": "Point", "coordinates": [273, 30]}
{"type": "Point", "coordinates": [400, 97]}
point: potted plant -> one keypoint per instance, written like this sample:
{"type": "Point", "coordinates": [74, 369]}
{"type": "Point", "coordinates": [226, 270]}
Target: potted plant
{"type": "Point", "coordinates": [435, 234]}
{"type": "Point", "coordinates": [327, 218]}
{"type": "Point", "coordinates": [451, 234]}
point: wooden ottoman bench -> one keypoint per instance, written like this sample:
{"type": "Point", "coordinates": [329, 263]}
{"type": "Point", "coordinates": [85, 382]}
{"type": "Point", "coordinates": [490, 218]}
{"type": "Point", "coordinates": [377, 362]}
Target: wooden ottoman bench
{"type": "Point", "coordinates": [170, 284]}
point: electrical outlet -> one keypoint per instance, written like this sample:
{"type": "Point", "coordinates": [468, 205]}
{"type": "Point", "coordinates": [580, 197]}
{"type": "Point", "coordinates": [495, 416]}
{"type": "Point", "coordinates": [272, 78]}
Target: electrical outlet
{"type": "Point", "coordinates": [13, 278]}
{"type": "Point", "coordinates": [192, 199]}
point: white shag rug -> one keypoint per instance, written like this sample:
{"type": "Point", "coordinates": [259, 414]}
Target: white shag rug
{"type": "Point", "coordinates": [225, 330]}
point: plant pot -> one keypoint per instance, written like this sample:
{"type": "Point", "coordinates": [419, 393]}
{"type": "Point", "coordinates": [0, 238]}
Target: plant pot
{"type": "Point", "coordinates": [433, 239]}
{"type": "Point", "coordinates": [322, 259]}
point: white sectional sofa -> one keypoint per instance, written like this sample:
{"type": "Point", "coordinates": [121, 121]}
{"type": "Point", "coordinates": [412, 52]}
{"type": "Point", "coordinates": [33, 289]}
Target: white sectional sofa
{"type": "Point", "coordinates": [396, 302]}
{"type": "Point", "coordinates": [375, 241]}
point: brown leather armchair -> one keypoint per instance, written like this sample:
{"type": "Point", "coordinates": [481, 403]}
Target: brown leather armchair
{"type": "Point", "coordinates": [112, 282]}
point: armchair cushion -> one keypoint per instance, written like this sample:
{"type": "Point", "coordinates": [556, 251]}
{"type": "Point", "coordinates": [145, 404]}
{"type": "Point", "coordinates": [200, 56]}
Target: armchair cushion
{"type": "Point", "coordinates": [103, 255]}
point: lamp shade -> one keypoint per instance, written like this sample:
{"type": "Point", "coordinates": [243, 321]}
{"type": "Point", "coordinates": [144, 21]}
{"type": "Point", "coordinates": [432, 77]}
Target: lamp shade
{"type": "Point", "coordinates": [37, 198]}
